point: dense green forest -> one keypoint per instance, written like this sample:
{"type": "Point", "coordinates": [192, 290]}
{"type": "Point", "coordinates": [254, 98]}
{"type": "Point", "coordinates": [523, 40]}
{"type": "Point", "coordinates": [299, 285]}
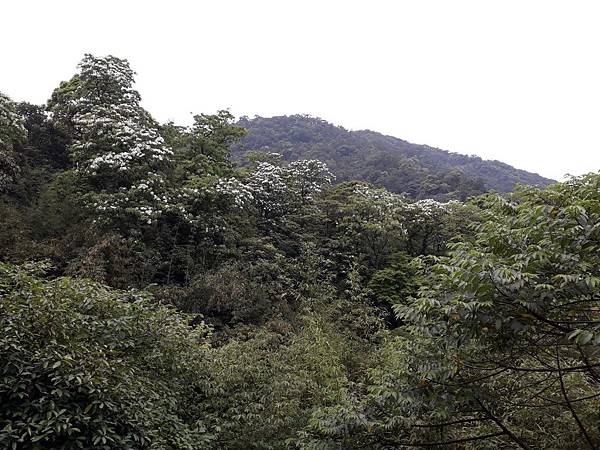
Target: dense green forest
{"type": "Point", "coordinates": [157, 292]}
{"type": "Point", "coordinates": [399, 166]}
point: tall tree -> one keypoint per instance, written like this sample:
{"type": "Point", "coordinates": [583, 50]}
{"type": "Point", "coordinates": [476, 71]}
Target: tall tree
{"type": "Point", "coordinates": [202, 151]}
{"type": "Point", "coordinates": [116, 145]}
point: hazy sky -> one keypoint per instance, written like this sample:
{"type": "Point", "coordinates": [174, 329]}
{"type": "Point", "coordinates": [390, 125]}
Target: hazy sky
{"type": "Point", "coordinates": [517, 81]}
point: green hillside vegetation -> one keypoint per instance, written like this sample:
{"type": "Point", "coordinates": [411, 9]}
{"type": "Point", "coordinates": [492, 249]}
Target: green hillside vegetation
{"type": "Point", "coordinates": [154, 294]}
{"type": "Point", "coordinates": [417, 170]}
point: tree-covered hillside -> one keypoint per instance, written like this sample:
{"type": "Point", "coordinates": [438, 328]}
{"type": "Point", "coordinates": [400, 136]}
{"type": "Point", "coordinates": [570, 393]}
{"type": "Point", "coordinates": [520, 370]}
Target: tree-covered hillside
{"type": "Point", "coordinates": [418, 170]}
{"type": "Point", "coordinates": [154, 295]}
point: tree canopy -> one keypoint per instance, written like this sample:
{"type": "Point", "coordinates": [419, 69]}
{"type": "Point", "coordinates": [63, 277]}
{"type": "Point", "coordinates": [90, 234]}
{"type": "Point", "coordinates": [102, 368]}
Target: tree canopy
{"type": "Point", "coordinates": [334, 290]}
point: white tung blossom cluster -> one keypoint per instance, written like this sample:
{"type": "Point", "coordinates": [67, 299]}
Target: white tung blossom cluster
{"type": "Point", "coordinates": [241, 194]}
{"type": "Point", "coordinates": [113, 132]}
{"type": "Point", "coordinates": [270, 191]}
{"type": "Point", "coordinates": [384, 210]}
{"type": "Point", "coordinates": [308, 176]}
{"type": "Point", "coordinates": [148, 200]}
{"type": "Point", "coordinates": [387, 202]}
{"type": "Point", "coordinates": [379, 202]}
{"type": "Point", "coordinates": [108, 70]}
{"type": "Point", "coordinates": [115, 138]}
{"type": "Point", "coordinates": [375, 211]}
{"type": "Point", "coordinates": [111, 139]}
{"type": "Point", "coordinates": [274, 190]}
{"type": "Point", "coordinates": [427, 209]}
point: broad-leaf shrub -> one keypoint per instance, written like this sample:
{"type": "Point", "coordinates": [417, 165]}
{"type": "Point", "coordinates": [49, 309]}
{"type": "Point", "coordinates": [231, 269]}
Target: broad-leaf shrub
{"type": "Point", "coordinates": [84, 366]}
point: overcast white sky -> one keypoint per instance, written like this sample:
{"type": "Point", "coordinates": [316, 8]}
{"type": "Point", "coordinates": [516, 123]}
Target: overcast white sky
{"type": "Point", "coordinates": [517, 81]}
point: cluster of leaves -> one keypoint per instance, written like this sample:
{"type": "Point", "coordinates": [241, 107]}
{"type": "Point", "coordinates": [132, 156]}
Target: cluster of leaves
{"type": "Point", "coordinates": [84, 366]}
{"type": "Point", "coordinates": [498, 345]}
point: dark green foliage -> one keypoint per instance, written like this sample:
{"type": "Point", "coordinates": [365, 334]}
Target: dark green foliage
{"type": "Point", "coordinates": [46, 146]}
{"type": "Point", "coordinates": [394, 285]}
{"type": "Point", "coordinates": [83, 366]}
{"type": "Point", "coordinates": [503, 333]}
{"type": "Point", "coordinates": [203, 150]}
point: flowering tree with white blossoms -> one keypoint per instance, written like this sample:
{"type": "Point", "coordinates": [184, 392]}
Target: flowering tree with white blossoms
{"type": "Point", "coordinates": [373, 222]}
{"type": "Point", "coordinates": [12, 131]}
{"type": "Point", "coordinates": [307, 177]}
{"type": "Point", "coordinates": [240, 193]}
{"type": "Point", "coordinates": [118, 150]}
{"type": "Point", "coordinates": [271, 194]}
{"type": "Point", "coordinates": [430, 224]}
{"type": "Point", "coordinates": [274, 190]}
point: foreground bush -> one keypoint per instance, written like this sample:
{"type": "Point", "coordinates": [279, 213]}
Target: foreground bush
{"type": "Point", "coordinates": [84, 366]}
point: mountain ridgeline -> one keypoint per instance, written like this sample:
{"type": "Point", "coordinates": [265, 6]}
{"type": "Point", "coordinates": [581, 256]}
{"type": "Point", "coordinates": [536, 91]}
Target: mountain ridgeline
{"type": "Point", "coordinates": [400, 166]}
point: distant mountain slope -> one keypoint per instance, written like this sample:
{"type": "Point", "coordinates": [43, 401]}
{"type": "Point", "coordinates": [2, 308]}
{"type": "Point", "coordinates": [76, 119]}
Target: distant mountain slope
{"type": "Point", "coordinates": [419, 170]}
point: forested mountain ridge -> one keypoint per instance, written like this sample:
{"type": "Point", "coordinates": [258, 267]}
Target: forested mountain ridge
{"type": "Point", "coordinates": [400, 166]}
